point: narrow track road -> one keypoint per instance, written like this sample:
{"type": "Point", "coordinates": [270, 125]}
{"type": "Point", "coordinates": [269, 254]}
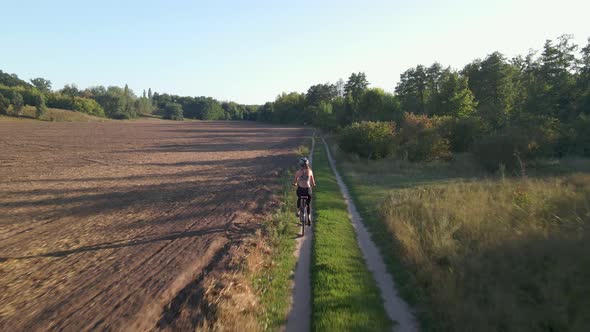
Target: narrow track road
{"type": "Point", "coordinates": [299, 319]}
{"type": "Point", "coordinates": [397, 309]}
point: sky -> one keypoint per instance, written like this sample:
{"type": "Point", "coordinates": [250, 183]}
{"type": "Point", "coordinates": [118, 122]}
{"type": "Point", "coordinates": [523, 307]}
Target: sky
{"type": "Point", "coordinates": [251, 51]}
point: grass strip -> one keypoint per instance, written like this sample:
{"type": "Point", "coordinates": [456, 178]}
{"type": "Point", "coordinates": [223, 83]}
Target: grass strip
{"type": "Point", "coordinates": [344, 294]}
{"type": "Point", "coordinates": [274, 281]}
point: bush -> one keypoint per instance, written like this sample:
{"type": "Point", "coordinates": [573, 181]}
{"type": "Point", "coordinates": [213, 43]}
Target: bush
{"type": "Point", "coordinates": [461, 133]}
{"type": "Point", "coordinates": [372, 140]}
{"type": "Point", "coordinates": [173, 111]}
{"type": "Point", "coordinates": [40, 106]}
{"type": "Point", "coordinates": [57, 100]}
{"type": "Point", "coordinates": [575, 138]}
{"type": "Point", "coordinates": [29, 94]}
{"type": "Point", "coordinates": [508, 148]}
{"type": "Point", "coordinates": [17, 103]}
{"type": "Point", "coordinates": [530, 137]}
{"type": "Point", "coordinates": [4, 104]}
{"type": "Point", "coordinates": [78, 104]}
{"type": "Point", "coordinates": [88, 106]}
{"type": "Point", "coordinates": [419, 140]}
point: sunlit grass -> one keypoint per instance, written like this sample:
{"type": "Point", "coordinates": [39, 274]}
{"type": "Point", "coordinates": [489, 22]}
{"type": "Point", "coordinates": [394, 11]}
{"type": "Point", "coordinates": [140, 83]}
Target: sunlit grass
{"type": "Point", "coordinates": [480, 252]}
{"type": "Point", "coordinates": [345, 296]}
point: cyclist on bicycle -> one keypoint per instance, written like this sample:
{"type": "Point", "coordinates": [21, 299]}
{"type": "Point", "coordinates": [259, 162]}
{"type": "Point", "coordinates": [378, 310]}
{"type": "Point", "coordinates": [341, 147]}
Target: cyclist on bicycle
{"type": "Point", "coordinates": [304, 180]}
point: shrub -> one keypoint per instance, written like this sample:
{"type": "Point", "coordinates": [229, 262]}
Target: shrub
{"type": "Point", "coordinates": [461, 133]}
{"type": "Point", "coordinates": [40, 106]}
{"type": "Point", "coordinates": [17, 103]}
{"type": "Point", "coordinates": [58, 100]}
{"type": "Point", "coordinates": [575, 138]}
{"type": "Point", "coordinates": [88, 106]}
{"type": "Point", "coordinates": [29, 94]}
{"type": "Point", "coordinates": [4, 104]}
{"type": "Point", "coordinates": [506, 148]}
{"type": "Point", "coordinates": [542, 133]}
{"type": "Point", "coordinates": [368, 139]}
{"type": "Point", "coordinates": [173, 111]}
{"type": "Point", "coordinates": [420, 141]}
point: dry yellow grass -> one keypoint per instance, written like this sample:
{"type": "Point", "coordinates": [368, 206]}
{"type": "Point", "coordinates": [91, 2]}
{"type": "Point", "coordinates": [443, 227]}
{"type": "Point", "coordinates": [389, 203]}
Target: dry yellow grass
{"type": "Point", "coordinates": [53, 114]}
{"type": "Point", "coordinates": [474, 251]}
{"type": "Point", "coordinates": [511, 255]}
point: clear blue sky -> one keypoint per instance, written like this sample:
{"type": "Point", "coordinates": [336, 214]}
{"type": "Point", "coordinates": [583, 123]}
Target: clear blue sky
{"type": "Point", "coordinates": [250, 51]}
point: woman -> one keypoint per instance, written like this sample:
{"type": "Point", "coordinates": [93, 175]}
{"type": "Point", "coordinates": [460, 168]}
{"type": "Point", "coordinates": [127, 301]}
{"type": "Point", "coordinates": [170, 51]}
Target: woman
{"type": "Point", "coordinates": [304, 180]}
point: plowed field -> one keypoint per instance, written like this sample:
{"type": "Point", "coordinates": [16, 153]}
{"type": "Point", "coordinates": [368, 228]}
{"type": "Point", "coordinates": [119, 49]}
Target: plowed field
{"type": "Point", "coordinates": [102, 225]}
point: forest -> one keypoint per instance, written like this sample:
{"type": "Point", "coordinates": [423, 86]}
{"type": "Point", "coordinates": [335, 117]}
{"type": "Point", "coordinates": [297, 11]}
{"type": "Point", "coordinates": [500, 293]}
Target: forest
{"type": "Point", "coordinates": [505, 111]}
{"type": "Point", "coordinates": [112, 102]}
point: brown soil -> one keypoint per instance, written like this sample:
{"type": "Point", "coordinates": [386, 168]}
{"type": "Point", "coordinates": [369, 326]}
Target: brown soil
{"type": "Point", "coordinates": [114, 226]}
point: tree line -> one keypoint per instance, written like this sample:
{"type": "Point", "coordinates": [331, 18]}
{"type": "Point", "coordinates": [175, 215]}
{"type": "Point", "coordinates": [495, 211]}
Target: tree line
{"type": "Point", "coordinates": [501, 109]}
{"type": "Point", "coordinates": [113, 102]}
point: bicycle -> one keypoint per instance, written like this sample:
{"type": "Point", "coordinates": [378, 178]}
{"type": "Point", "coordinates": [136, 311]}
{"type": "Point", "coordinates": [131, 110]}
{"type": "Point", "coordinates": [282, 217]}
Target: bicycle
{"type": "Point", "coordinates": [303, 217]}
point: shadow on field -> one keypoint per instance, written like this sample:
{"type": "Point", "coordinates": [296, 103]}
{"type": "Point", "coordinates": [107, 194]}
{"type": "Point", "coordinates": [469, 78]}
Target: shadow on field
{"type": "Point", "coordinates": [121, 244]}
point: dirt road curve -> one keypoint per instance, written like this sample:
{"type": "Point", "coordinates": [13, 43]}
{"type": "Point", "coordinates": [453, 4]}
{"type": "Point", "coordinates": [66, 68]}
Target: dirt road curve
{"type": "Point", "coordinates": [102, 225]}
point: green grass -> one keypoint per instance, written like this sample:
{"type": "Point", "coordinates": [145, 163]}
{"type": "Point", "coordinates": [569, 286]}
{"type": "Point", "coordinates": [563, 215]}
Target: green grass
{"type": "Point", "coordinates": [274, 281]}
{"type": "Point", "coordinates": [53, 114]}
{"type": "Point", "coordinates": [345, 296]}
{"type": "Point", "coordinates": [478, 252]}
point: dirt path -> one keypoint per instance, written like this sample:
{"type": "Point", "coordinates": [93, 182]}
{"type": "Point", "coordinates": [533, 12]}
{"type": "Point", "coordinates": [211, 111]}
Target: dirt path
{"type": "Point", "coordinates": [102, 225]}
{"type": "Point", "coordinates": [299, 319]}
{"type": "Point", "coordinates": [397, 309]}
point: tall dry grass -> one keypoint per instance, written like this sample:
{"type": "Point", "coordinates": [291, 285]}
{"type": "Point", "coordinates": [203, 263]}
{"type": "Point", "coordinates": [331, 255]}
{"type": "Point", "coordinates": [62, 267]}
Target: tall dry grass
{"type": "Point", "coordinates": [498, 255]}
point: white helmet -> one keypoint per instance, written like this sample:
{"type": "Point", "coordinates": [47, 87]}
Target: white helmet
{"type": "Point", "coordinates": [303, 161]}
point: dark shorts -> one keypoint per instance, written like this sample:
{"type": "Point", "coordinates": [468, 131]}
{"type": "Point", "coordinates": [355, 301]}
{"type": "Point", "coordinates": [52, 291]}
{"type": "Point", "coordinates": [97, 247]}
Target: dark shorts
{"type": "Point", "coordinates": [304, 192]}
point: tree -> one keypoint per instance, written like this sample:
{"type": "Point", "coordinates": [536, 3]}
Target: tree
{"type": "Point", "coordinates": [321, 93]}
{"type": "Point", "coordinates": [454, 97]}
{"type": "Point", "coordinates": [4, 104]}
{"type": "Point", "coordinates": [71, 90]}
{"type": "Point", "coordinates": [377, 105]}
{"type": "Point", "coordinates": [17, 103]}
{"type": "Point", "coordinates": [12, 80]}
{"type": "Point", "coordinates": [583, 83]}
{"type": "Point", "coordinates": [144, 106]}
{"type": "Point", "coordinates": [411, 90]}
{"type": "Point", "coordinates": [556, 73]}
{"type": "Point", "coordinates": [232, 111]}
{"type": "Point", "coordinates": [492, 83]}
{"type": "Point", "coordinates": [288, 108]}
{"type": "Point", "coordinates": [41, 108]}
{"type": "Point", "coordinates": [340, 87]}
{"type": "Point", "coordinates": [173, 111]}
{"type": "Point", "coordinates": [355, 86]}
{"type": "Point", "coordinates": [150, 93]}
{"type": "Point", "coordinates": [42, 84]}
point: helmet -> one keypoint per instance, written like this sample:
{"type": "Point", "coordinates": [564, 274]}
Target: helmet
{"type": "Point", "coordinates": [303, 161]}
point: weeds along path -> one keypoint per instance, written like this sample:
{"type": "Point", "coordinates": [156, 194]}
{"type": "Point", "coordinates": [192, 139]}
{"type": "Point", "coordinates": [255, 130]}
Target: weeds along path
{"type": "Point", "coordinates": [299, 319]}
{"type": "Point", "coordinates": [396, 308]}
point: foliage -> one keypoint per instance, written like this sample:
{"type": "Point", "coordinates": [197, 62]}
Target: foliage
{"type": "Point", "coordinates": [461, 132]}
{"type": "Point", "coordinates": [368, 139]}
{"type": "Point", "coordinates": [4, 104]}
{"type": "Point", "coordinates": [420, 141]}
{"type": "Point", "coordinates": [17, 103]}
{"type": "Point", "coordinates": [78, 104]}
{"type": "Point", "coordinates": [40, 106]}
{"type": "Point", "coordinates": [12, 80]}
{"type": "Point", "coordinates": [42, 84]}
{"type": "Point", "coordinates": [173, 111]}
{"type": "Point", "coordinates": [144, 105]}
